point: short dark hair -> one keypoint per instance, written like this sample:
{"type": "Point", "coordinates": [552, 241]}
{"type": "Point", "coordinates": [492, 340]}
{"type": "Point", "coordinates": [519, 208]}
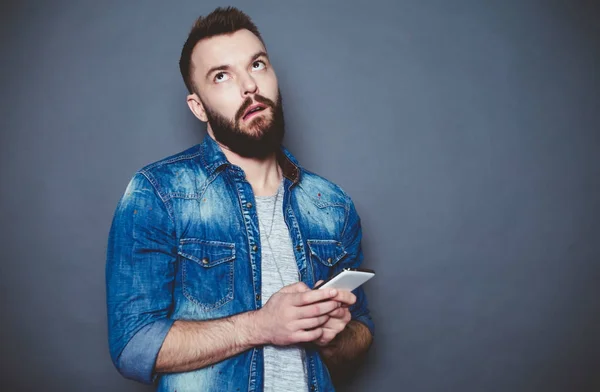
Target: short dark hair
{"type": "Point", "coordinates": [219, 22]}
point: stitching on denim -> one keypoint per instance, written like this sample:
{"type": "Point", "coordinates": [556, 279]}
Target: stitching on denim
{"type": "Point", "coordinates": [348, 208]}
{"type": "Point", "coordinates": [217, 244]}
{"type": "Point", "coordinates": [154, 184]}
{"type": "Point", "coordinates": [180, 195]}
{"type": "Point", "coordinates": [335, 188]}
{"type": "Point", "coordinates": [319, 203]}
{"type": "Point", "coordinates": [227, 298]}
{"type": "Point", "coordinates": [324, 242]}
{"type": "Point", "coordinates": [186, 196]}
{"type": "Point", "coordinates": [173, 159]}
{"type": "Point", "coordinates": [314, 371]}
{"type": "Point", "coordinates": [300, 242]}
{"type": "Point", "coordinates": [327, 242]}
{"type": "Point", "coordinates": [230, 289]}
{"type": "Point", "coordinates": [288, 215]}
{"type": "Point", "coordinates": [209, 181]}
{"type": "Point", "coordinates": [211, 263]}
{"type": "Point", "coordinates": [251, 378]}
{"type": "Point", "coordinates": [257, 240]}
{"type": "Point", "coordinates": [202, 154]}
{"type": "Point", "coordinates": [209, 242]}
{"type": "Point", "coordinates": [199, 195]}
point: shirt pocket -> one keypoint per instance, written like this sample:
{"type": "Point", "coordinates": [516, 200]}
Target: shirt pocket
{"type": "Point", "coordinates": [327, 252]}
{"type": "Point", "coordinates": [207, 271]}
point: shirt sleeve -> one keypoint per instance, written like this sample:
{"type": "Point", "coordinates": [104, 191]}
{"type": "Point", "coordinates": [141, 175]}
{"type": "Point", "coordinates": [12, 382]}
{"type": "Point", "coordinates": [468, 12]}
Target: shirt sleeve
{"type": "Point", "coordinates": [140, 273]}
{"type": "Point", "coordinates": [351, 238]}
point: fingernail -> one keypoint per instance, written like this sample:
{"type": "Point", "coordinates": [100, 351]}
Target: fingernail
{"type": "Point", "coordinates": [333, 292]}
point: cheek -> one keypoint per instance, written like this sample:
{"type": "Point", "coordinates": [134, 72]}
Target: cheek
{"type": "Point", "coordinates": [226, 102]}
{"type": "Point", "coordinates": [268, 86]}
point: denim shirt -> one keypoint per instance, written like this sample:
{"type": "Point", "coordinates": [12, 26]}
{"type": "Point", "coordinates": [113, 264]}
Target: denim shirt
{"type": "Point", "coordinates": [185, 245]}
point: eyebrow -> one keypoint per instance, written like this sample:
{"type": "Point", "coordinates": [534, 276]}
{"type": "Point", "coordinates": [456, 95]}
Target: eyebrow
{"type": "Point", "coordinates": [226, 67]}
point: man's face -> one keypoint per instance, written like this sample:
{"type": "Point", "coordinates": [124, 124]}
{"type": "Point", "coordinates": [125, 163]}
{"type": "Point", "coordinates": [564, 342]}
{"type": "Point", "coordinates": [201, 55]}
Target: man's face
{"type": "Point", "coordinates": [237, 93]}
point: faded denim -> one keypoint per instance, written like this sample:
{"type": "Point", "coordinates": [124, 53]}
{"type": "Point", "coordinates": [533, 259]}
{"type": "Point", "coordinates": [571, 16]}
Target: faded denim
{"type": "Point", "coordinates": [185, 245]}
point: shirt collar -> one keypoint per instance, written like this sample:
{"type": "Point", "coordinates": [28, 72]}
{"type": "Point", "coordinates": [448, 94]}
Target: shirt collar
{"type": "Point", "coordinates": [212, 158]}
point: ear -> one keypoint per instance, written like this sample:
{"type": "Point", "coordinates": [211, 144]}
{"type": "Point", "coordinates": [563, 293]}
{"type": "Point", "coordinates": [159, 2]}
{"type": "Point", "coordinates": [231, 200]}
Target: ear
{"type": "Point", "coordinates": [196, 107]}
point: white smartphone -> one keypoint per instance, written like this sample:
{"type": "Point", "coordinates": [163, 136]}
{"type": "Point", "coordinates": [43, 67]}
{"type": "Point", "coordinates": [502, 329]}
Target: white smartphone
{"type": "Point", "coordinates": [347, 279]}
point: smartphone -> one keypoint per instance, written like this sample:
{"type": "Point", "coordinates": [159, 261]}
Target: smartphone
{"type": "Point", "coordinates": [347, 279]}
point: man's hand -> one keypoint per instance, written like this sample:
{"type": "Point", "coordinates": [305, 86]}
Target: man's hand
{"type": "Point", "coordinates": [295, 314]}
{"type": "Point", "coordinates": [343, 342]}
{"type": "Point", "coordinates": [338, 318]}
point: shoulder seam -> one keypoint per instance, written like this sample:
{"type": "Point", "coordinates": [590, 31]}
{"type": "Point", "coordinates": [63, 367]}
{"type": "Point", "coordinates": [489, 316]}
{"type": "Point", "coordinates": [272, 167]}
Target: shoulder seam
{"type": "Point", "coordinates": [168, 161]}
{"type": "Point", "coordinates": [154, 184]}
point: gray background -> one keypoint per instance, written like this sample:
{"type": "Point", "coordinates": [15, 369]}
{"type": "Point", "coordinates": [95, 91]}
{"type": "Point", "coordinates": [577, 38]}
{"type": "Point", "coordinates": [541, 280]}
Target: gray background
{"type": "Point", "coordinates": [467, 133]}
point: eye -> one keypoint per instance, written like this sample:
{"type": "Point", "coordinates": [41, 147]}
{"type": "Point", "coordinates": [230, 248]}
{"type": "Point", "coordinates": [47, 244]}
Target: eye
{"type": "Point", "coordinates": [258, 65]}
{"type": "Point", "coordinates": [221, 77]}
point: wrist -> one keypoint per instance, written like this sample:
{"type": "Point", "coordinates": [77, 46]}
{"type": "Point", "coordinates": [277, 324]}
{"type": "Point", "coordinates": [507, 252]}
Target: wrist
{"type": "Point", "coordinates": [253, 332]}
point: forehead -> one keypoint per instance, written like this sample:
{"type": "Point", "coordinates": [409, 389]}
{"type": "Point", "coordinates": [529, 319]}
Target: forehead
{"type": "Point", "coordinates": [230, 49]}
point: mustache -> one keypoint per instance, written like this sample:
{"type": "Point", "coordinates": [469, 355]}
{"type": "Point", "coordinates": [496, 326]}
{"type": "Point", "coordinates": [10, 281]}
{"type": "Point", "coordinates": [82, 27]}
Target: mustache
{"type": "Point", "coordinates": [248, 102]}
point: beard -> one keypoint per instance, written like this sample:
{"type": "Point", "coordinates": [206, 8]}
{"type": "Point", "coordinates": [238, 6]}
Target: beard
{"type": "Point", "coordinates": [261, 138]}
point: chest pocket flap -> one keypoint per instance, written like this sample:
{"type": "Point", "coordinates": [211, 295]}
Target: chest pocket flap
{"type": "Point", "coordinates": [207, 270]}
{"type": "Point", "coordinates": [328, 252]}
{"type": "Point", "coordinates": [206, 253]}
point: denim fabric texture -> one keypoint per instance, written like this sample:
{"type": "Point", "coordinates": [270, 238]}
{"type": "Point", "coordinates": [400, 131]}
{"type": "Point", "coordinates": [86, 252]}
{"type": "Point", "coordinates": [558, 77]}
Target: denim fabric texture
{"type": "Point", "coordinates": [184, 245]}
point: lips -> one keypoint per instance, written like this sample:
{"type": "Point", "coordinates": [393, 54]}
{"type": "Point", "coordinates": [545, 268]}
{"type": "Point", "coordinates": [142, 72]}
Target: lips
{"type": "Point", "coordinates": [252, 110]}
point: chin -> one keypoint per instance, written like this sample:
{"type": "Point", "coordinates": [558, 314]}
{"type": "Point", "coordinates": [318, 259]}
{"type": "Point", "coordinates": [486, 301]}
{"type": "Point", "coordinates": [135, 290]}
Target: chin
{"type": "Point", "coordinates": [257, 126]}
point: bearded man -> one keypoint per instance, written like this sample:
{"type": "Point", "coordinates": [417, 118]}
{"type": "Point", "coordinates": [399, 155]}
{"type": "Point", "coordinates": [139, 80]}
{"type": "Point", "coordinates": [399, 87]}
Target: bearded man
{"type": "Point", "coordinates": [213, 252]}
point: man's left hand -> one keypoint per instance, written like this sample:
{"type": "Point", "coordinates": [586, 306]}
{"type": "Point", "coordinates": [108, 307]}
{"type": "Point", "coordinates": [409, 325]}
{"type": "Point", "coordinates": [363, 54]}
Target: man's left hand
{"type": "Point", "coordinates": [338, 318]}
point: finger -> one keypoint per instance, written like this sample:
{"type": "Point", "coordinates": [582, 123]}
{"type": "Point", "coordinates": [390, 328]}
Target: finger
{"type": "Point", "coordinates": [311, 323]}
{"type": "Point", "coordinates": [312, 296]}
{"type": "Point", "coordinates": [318, 283]}
{"type": "Point", "coordinates": [345, 297]}
{"type": "Point", "coordinates": [347, 317]}
{"type": "Point", "coordinates": [316, 310]}
{"type": "Point", "coordinates": [335, 325]}
{"type": "Point", "coordinates": [326, 337]}
{"type": "Point", "coordinates": [298, 287]}
{"type": "Point", "coordinates": [338, 313]}
{"type": "Point", "coordinates": [308, 336]}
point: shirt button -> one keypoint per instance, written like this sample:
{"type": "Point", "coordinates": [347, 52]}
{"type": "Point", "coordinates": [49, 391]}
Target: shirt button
{"type": "Point", "coordinates": [249, 205]}
{"type": "Point", "coordinates": [205, 260]}
{"type": "Point", "coordinates": [313, 388]}
{"type": "Point", "coordinates": [254, 248]}
{"type": "Point", "coordinates": [329, 260]}
{"type": "Point", "coordinates": [298, 248]}
{"type": "Point", "coordinates": [258, 297]}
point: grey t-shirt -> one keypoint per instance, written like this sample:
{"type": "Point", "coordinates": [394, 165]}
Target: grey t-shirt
{"type": "Point", "coordinates": [284, 368]}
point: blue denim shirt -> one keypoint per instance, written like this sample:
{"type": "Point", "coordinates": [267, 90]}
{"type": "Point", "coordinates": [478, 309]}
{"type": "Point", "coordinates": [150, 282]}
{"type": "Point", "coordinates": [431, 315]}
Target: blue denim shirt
{"type": "Point", "coordinates": [185, 245]}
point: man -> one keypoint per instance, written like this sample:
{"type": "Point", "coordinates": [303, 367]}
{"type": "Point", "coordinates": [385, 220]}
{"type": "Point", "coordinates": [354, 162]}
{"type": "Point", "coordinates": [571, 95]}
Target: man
{"type": "Point", "coordinates": [212, 252]}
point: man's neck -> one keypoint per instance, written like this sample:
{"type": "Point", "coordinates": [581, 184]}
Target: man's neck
{"type": "Point", "coordinates": [263, 174]}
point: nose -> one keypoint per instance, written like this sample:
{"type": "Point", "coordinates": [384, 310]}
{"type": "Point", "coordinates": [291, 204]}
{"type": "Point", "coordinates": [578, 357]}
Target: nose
{"type": "Point", "coordinates": [248, 86]}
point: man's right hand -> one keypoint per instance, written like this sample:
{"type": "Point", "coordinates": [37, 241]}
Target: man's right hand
{"type": "Point", "coordinates": [294, 314]}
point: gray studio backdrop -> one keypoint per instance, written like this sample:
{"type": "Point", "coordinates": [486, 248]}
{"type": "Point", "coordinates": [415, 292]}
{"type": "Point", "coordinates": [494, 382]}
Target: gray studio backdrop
{"type": "Point", "coordinates": [467, 133]}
